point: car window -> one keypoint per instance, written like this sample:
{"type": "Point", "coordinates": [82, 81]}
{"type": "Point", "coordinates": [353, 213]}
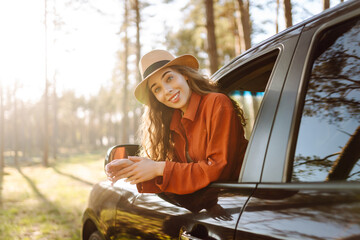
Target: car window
{"type": "Point", "coordinates": [249, 87]}
{"type": "Point", "coordinates": [329, 134]}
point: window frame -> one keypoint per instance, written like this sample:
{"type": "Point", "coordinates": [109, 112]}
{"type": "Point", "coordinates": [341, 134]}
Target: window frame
{"type": "Point", "coordinates": [255, 153]}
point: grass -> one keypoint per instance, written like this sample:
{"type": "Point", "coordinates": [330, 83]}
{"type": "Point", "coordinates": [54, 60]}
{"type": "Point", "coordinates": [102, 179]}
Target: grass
{"type": "Point", "coordinates": [47, 203]}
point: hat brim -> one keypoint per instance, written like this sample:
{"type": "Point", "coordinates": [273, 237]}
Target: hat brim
{"type": "Point", "coordinates": [142, 90]}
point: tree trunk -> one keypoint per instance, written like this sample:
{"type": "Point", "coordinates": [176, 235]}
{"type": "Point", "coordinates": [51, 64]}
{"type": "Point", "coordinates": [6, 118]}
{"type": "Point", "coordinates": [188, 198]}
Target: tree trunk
{"type": "Point", "coordinates": [237, 40]}
{"type": "Point", "coordinates": [244, 25]}
{"type": "Point", "coordinates": [277, 16]}
{"type": "Point", "coordinates": [55, 120]}
{"type": "Point", "coordinates": [348, 157]}
{"type": "Point", "coordinates": [287, 12]}
{"type": "Point", "coordinates": [138, 45]}
{"type": "Point", "coordinates": [2, 132]}
{"type": "Point", "coordinates": [326, 4]}
{"type": "Point", "coordinates": [54, 96]}
{"type": "Point", "coordinates": [125, 126]}
{"type": "Point", "coordinates": [138, 55]}
{"type": "Point", "coordinates": [15, 127]}
{"type": "Point", "coordinates": [25, 136]}
{"type": "Point", "coordinates": [46, 127]}
{"type": "Point", "coordinates": [211, 38]}
{"type": "Point", "coordinates": [46, 100]}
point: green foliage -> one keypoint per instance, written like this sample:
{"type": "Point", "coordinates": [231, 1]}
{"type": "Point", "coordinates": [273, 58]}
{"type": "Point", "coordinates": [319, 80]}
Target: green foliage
{"type": "Point", "coordinates": [190, 38]}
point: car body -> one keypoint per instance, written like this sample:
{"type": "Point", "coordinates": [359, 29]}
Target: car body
{"type": "Point", "coordinates": [301, 176]}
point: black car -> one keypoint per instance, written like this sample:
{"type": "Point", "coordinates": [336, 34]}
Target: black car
{"type": "Point", "coordinates": [300, 178]}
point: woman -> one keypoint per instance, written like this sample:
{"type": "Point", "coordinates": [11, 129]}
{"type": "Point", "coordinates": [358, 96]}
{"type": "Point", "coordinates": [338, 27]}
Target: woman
{"type": "Point", "coordinates": [191, 135]}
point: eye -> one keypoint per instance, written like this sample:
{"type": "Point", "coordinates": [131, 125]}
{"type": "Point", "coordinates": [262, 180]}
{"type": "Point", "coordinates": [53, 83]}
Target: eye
{"type": "Point", "coordinates": [169, 78]}
{"type": "Point", "coordinates": [156, 90]}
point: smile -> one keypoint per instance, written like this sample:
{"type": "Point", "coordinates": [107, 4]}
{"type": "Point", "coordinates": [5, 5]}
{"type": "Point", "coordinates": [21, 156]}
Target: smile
{"type": "Point", "coordinates": [174, 98]}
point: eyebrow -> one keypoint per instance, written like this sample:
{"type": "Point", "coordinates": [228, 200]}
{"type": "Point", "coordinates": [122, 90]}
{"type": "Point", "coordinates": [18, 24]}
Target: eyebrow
{"type": "Point", "coordinates": [162, 76]}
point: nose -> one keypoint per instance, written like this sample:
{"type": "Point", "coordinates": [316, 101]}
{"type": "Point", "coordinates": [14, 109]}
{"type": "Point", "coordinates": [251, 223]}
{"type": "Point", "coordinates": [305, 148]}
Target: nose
{"type": "Point", "coordinates": [168, 88]}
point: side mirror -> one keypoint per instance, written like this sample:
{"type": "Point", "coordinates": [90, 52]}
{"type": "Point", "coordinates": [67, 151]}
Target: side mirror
{"type": "Point", "coordinates": [121, 151]}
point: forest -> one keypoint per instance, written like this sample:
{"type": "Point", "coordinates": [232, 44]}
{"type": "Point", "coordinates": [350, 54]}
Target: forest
{"type": "Point", "coordinates": [63, 122]}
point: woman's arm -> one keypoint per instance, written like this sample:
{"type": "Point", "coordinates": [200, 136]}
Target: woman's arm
{"type": "Point", "coordinates": [142, 170]}
{"type": "Point", "coordinates": [134, 169]}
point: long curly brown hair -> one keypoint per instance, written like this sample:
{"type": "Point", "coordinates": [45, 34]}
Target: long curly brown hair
{"type": "Point", "coordinates": [157, 143]}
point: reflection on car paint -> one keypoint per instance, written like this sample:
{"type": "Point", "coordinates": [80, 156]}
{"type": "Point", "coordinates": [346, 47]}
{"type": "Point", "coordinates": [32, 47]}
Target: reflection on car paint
{"type": "Point", "coordinates": [302, 215]}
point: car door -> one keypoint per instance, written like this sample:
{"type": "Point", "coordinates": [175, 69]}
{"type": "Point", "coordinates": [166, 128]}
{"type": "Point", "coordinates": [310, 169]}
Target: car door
{"type": "Point", "coordinates": [255, 80]}
{"type": "Point", "coordinates": [310, 185]}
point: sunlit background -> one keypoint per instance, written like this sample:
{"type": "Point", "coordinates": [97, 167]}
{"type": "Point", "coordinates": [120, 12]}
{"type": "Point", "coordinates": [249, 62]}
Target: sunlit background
{"type": "Point", "coordinates": [65, 97]}
{"type": "Point", "coordinates": [82, 38]}
{"type": "Point", "coordinates": [63, 78]}
{"type": "Point", "coordinates": [78, 44]}
{"type": "Point", "coordinates": [64, 84]}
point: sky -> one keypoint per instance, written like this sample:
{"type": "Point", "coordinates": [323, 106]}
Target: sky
{"type": "Point", "coordinates": [81, 53]}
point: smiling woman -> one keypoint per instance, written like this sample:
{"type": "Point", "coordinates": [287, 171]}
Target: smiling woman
{"type": "Point", "coordinates": [191, 135]}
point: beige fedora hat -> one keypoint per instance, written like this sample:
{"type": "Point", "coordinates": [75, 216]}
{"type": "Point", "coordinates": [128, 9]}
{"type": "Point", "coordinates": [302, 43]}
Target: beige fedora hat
{"type": "Point", "coordinates": [152, 62]}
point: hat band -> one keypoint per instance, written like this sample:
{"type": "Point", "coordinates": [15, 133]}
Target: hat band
{"type": "Point", "coordinates": [154, 67]}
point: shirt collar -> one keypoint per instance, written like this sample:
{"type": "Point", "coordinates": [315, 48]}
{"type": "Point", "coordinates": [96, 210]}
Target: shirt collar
{"type": "Point", "coordinates": [190, 113]}
{"type": "Point", "coordinates": [193, 106]}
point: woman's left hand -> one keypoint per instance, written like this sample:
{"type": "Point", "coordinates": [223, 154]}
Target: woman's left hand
{"type": "Point", "coordinates": [142, 170]}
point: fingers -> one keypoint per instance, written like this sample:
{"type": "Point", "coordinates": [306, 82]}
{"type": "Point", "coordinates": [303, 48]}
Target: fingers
{"type": "Point", "coordinates": [134, 169]}
{"type": "Point", "coordinates": [124, 173]}
{"type": "Point", "coordinates": [113, 179]}
{"type": "Point", "coordinates": [134, 179]}
{"type": "Point", "coordinates": [118, 169]}
{"type": "Point", "coordinates": [117, 164]}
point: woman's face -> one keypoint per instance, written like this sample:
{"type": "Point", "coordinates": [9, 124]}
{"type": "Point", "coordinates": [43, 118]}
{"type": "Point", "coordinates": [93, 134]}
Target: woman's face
{"type": "Point", "coordinates": [170, 88]}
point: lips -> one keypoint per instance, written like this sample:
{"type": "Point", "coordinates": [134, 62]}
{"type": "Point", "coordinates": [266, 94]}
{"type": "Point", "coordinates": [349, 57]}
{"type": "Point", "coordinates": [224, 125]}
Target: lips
{"type": "Point", "coordinates": [174, 98]}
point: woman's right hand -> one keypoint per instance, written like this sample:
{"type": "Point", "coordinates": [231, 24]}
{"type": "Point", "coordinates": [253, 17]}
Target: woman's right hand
{"type": "Point", "coordinates": [114, 170]}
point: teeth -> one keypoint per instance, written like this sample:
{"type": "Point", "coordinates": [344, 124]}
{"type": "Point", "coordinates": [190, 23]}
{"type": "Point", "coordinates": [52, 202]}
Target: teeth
{"type": "Point", "coordinates": [174, 98]}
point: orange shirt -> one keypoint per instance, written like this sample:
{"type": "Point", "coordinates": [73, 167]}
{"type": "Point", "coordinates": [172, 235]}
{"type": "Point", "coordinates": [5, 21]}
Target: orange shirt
{"type": "Point", "coordinates": [216, 145]}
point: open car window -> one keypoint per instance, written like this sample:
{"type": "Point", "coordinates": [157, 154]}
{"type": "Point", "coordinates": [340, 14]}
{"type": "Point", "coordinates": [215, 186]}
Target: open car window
{"type": "Point", "coordinates": [249, 84]}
